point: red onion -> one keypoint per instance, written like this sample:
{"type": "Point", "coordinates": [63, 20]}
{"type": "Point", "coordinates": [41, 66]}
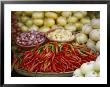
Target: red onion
{"type": "Point", "coordinates": [30, 38]}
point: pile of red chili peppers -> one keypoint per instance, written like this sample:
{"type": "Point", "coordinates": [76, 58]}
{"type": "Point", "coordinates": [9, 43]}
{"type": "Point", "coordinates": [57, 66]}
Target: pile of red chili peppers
{"type": "Point", "coordinates": [54, 57]}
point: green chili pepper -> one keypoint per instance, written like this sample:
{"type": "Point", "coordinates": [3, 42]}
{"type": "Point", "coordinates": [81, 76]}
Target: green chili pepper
{"type": "Point", "coordinates": [51, 46]}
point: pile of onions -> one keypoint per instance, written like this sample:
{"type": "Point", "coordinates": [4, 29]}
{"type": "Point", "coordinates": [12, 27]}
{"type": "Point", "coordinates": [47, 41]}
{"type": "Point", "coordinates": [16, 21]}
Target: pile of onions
{"type": "Point", "coordinates": [30, 38]}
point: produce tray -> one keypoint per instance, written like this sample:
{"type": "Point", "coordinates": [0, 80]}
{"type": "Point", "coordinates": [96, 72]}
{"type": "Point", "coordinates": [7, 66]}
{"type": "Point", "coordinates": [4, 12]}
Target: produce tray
{"type": "Point", "coordinates": [45, 74]}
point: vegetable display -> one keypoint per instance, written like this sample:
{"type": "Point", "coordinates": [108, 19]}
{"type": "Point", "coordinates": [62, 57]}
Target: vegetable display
{"type": "Point", "coordinates": [56, 42]}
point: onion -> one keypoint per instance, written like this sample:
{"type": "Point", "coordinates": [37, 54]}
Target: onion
{"type": "Point", "coordinates": [97, 66]}
{"type": "Point", "coordinates": [44, 29]}
{"type": "Point", "coordinates": [70, 27]}
{"type": "Point", "coordinates": [78, 25]}
{"type": "Point", "coordinates": [57, 27]}
{"type": "Point", "coordinates": [19, 24]}
{"type": "Point", "coordinates": [49, 22]}
{"type": "Point", "coordinates": [38, 22]}
{"type": "Point", "coordinates": [28, 13]}
{"type": "Point", "coordinates": [24, 18]}
{"type": "Point", "coordinates": [29, 23]}
{"type": "Point", "coordinates": [86, 67]}
{"type": "Point", "coordinates": [98, 46]}
{"type": "Point", "coordinates": [34, 27]}
{"type": "Point", "coordinates": [90, 44]}
{"type": "Point", "coordinates": [84, 13]}
{"type": "Point", "coordinates": [85, 21]}
{"type": "Point", "coordinates": [24, 28]}
{"type": "Point", "coordinates": [72, 19]}
{"type": "Point", "coordinates": [51, 15]}
{"type": "Point", "coordinates": [95, 23]}
{"type": "Point", "coordinates": [81, 38]}
{"type": "Point", "coordinates": [18, 13]}
{"type": "Point", "coordinates": [61, 21]}
{"type": "Point", "coordinates": [38, 15]}
{"type": "Point", "coordinates": [95, 35]}
{"type": "Point", "coordinates": [78, 14]}
{"type": "Point", "coordinates": [86, 28]}
{"type": "Point", "coordinates": [66, 13]}
{"type": "Point", "coordinates": [77, 73]}
{"type": "Point", "coordinates": [91, 74]}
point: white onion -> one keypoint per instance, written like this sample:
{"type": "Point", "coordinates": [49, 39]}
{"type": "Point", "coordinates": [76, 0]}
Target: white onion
{"type": "Point", "coordinates": [90, 44]}
{"type": "Point", "coordinates": [95, 35]}
{"type": "Point", "coordinates": [49, 22]}
{"type": "Point", "coordinates": [81, 38]}
{"type": "Point", "coordinates": [70, 27]}
{"type": "Point", "coordinates": [38, 15]}
{"type": "Point", "coordinates": [61, 21]}
{"type": "Point", "coordinates": [98, 46]}
{"type": "Point", "coordinates": [86, 67]}
{"type": "Point", "coordinates": [77, 73]}
{"type": "Point", "coordinates": [97, 66]}
{"type": "Point", "coordinates": [86, 28]}
{"type": "Point", "coordinates": [91, 74]}
{"type": "Point", "coordinates": [51, 15]}
{"type": "Point", "coordinates": [38, 22]}
{"type": "Point", "coordinates": [66, 13]}
{"type": "Point", "coordinates": [95, 23]}
{"type": "Point", "coordinates": [72, 19]}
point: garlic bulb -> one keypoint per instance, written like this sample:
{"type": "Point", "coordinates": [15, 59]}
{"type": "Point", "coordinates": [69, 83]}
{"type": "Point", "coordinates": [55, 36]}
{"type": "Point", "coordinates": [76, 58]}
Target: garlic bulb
{"type": "Point", "coordinates": [90, 44]}
{"type": "Point", "coordinates": [95, 23]}
{"type": "Point", "coordinates": [81, 38]}
{"type": "Point", "coordinates": [86, 28]}
{"type": "Point", "coordinates": [95, 35]}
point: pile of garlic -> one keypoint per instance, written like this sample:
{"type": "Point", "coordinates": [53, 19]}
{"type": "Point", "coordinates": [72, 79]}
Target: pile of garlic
{"type": "Point", "coordinates": [89, 69]}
